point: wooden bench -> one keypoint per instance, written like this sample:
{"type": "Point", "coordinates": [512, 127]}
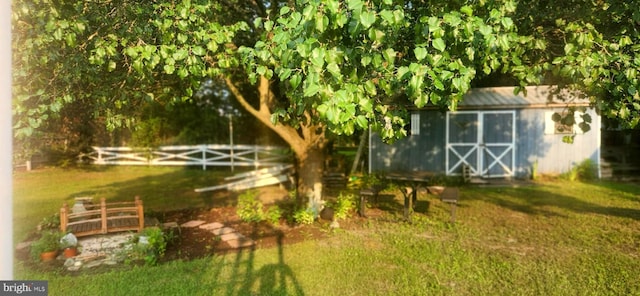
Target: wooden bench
{"type": "Point", "coordinates": [367, 194]}
{"type": "Point", "coordinates": [450, 195]}
{"type": "Point", "coordinates": [103, 218]}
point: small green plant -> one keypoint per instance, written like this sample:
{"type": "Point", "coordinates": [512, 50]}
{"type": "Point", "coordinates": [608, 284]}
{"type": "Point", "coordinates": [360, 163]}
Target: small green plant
{"type": "Point", "coordinates": [250, 208]}
{"type": "Point", "coordinates": [344, 205]}
{"type": "Point", "coordinates": [534, 170]}
{"type": "Point", "coordinates": [273, 215]}
{"type": "Point", "coordinates": [584, 171]}
{"type": "Point", "coordinates": [304, 216]}
{"type": "Point", "coordinates": [150, 245]}
{"type": "Point", "coordinates": [49, 241]}
{"type": "Point", "coordinates": [50, 222]}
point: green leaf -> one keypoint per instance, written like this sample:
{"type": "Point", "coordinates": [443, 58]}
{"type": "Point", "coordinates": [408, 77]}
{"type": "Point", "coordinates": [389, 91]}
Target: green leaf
{"type": "Point", "coordinates": [284, 73]}
{"type": "Point", "coordinates": [317, 57]}
{"type": "Point", "coordinates": [569, 48]}
{"type": "Point", "coordinates": [303, 49]}
{"type": "Point", "coordinates": [402, 71]}
{"type": "Point", "coordinates": [311, 90]}
{"type": "Point", "coordinates": [485, 30]}
{"type": "Point", "coordinates": [362, 121]}
{"type": "Point", "coordinates": [198, 50]}
{"type": "Point", "coordinates": [334, 70]}
{"type": "Point", "coordinates": [169, 69]}
{"type": "Point", "coordinates": [365, 60]}
{"type": "Point", "coordinates": [309, 12]}
{"type": "Point", "coordinates": [367, 19]}
{"type": "Point", "coordinates": [439, 44]}
{"type": "Point", "coordinates": [261, 70]}
{"type": "Point", "coordinates": [507, 23]}
{"type": "Point", "coordinates": [332, 5]}
{"type": "Point", "coordinates": [421, 100]}
{"type": "Point", "coordinates": [420, 53]}
{"type": "Point", "coordinates": [180, 54]}
{"type": "Point", "coordinates": [365, 105]}
{"type": "Point", "coordinates": [322, 23]}
{"type": "Point", "coordinates": [370, 87]}
{"type": "Point", "coordinates": [467, 10]}
{"type": "Point", "coordinates": [503, 41]}
{"type": "Point", "coordinates": [284, 10]}
{"type": "Point", "coordinates": [387, 16]}
{"type": "Point", "coordinates": [111, 66]}
{"type": "Point", "coordinates": [438, 84]}
{"type": "Point", "coordinates": [295, 80]}
{"type": "Point", "coordinates": [389, 55]}
{"type": "Point", "coordinates": [355, 4]}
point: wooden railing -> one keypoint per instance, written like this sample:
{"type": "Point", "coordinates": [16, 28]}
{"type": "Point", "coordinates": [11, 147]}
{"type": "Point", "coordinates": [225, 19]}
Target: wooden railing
{"type": "Point", "coordinates": [196, 155]}
{"type": "Point", "coordinates": [103, 218]}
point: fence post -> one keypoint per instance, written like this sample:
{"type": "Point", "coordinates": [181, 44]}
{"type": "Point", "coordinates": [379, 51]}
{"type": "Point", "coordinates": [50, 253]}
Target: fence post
{"type": "Point", "coordinates": [204, 157]}
{"type": "Point", "coordinates": [103, 214]}
{"type": "Point", "coordinates": [99, 150]}
{"type": "Point", "coordinates": [255, 157]}
{"type": "Point", "coordinates": [64, 219]}
{"type": "Point", "coordinates": [140, 210]}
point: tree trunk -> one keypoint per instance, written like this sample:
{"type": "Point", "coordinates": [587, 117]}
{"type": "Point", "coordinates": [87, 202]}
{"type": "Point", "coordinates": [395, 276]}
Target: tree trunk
{"type": "Point", "coordinates": [363, 142]}
{"type": "Point", "coordinates": [310, 172]}
{"type": "Point", "coordinates": [306, 140]}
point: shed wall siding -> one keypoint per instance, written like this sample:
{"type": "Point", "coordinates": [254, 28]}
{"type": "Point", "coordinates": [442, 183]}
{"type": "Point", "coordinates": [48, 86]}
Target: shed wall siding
{"type": "Point", "coordinates": [426, 151]}
{"type": "Point", "coordinates": [552, 155]}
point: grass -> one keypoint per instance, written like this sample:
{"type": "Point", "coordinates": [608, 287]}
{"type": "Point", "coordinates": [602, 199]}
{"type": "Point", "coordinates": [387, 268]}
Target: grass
{"type": "Point", "coordinates": [554, 238]}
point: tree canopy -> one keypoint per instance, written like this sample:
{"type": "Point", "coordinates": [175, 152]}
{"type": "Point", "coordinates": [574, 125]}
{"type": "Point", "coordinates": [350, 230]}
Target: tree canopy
{"type": "Point", "coordinates": [306, 67]}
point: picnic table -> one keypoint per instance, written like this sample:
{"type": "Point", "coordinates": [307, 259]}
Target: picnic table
{"type": "Point", "coordinates": [409, 183]}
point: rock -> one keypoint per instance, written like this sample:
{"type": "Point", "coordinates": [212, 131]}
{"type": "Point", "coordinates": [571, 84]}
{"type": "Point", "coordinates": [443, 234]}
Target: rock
{"type": "Point", "coordinates": [69, 262]}
{"type": "Point", "coordinates": [231, 236]}
{"type": "Point", "coordinates": [222, 231]}
{"type": "Point", "coordinates": [327, 214]}
{"type": "Point", "coordinates": [211, 226]}
{"type": "Point", "coordinates": [93, 264]}
{"type": "Point", "coordinates": [192, 223]}
{"type": "Point", "coordinates": [23, 245]}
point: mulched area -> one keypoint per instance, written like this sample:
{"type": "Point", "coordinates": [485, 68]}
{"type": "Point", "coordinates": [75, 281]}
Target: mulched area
{"type": "Point", "coordinates": [192, 243]}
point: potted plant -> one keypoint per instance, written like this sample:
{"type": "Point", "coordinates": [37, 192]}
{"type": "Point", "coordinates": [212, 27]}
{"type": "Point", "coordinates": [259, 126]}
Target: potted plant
{"type": "Point", "coordinates": [69, 245]}
{"type": "Point", "coordinates": [47, 246]}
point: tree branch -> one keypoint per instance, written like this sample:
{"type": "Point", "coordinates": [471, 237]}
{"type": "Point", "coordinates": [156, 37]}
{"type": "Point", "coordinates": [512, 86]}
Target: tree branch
{"type": "Point", "coordinates": [263, 113]}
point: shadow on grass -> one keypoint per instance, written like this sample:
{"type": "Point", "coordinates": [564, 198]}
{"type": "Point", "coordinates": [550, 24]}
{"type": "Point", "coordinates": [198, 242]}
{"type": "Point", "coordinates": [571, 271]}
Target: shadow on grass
{"type": "Point", "coordinates": [269, 279]}
{"type": "Point", "coordinates": [536, 200]}
{"type": "Point", "coordinates": [168, 191]}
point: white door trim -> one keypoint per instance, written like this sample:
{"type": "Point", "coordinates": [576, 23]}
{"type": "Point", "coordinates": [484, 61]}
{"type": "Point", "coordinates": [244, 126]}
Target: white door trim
{"type": "Point", "coordinates": [483, 152]}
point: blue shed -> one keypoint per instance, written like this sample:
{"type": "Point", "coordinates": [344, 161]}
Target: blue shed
{"type": "Point", "coordinates": [495, 133]}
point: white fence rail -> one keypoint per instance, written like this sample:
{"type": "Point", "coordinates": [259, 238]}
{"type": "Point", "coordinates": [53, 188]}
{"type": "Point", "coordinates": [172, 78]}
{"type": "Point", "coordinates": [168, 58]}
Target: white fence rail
{"type": "Point", "coordinates": [196, 155]}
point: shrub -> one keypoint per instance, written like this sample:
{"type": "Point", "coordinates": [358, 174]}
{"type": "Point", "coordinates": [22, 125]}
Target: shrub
{"type": "Point", "coordinates": [344, 204]}
{"type": "Point", "coordinates": [50, 222]}
{"type": "Point", "coordinates": [249, 207]}
{"type": "Point", "coordinates": [584, 171]}
{"type": "Point", "coordinates": [273, 215]}
{"type": "Point", "coordinates": [304, 216]}
{"type": "Point", "coordinates": [150, 245]}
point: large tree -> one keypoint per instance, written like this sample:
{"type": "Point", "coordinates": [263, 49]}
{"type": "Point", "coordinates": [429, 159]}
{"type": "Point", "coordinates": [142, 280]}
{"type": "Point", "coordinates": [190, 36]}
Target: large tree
{"type": "Point", "coordinates": [307, 67]}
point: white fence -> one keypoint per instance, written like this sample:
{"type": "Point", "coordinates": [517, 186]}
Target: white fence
{"type": "Point", "coordinates": [197, 155]}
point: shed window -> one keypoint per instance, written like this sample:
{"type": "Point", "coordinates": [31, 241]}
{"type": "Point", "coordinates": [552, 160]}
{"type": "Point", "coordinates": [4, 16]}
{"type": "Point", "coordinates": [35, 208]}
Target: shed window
{"type": "Point", "coordinates": [415, 123]}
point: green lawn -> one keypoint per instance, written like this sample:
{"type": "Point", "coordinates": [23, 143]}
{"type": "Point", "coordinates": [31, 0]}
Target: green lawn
{"type": "Point", "coordinates": [554, 238]}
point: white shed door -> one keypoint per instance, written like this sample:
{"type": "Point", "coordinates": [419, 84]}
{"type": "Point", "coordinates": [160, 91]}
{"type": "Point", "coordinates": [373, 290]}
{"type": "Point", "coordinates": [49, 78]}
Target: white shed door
{"type": "Point", "coordinates": [483, 140]}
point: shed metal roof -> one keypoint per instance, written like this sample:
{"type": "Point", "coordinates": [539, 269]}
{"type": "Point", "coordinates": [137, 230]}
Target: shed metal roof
{"type": "Point", "coordinates": [542, 96]}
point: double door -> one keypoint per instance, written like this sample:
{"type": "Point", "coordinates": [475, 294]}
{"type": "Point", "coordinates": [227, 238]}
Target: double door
{"type": "Point", "coordinates": [482, 140]}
